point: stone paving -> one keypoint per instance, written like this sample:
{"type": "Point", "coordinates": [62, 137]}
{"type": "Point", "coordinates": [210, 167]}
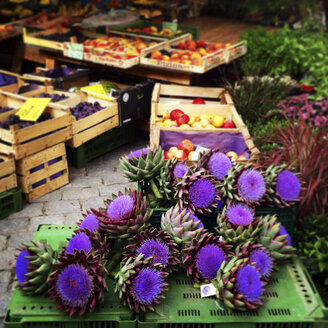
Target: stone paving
{"type": "Point", "coordinates": [88, 188]}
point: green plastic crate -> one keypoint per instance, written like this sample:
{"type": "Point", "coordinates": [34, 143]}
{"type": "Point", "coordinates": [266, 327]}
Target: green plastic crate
{"type": "Point", "coordinates": [285, 215]}
{"type": "Point", "coordinates": [10, 202]}
{"type": "Point", "coordinates": [193, 30]}
{"type": "Point", "coordinates": [40, 311]}
{"type": "Point", "coordinates": [100, 145]}
{"type": "Point", "coordinates": [291, 302]}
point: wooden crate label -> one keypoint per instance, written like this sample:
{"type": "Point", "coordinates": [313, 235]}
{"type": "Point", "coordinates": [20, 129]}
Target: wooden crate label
{"type": "Point", "coordinates": [75, 50]}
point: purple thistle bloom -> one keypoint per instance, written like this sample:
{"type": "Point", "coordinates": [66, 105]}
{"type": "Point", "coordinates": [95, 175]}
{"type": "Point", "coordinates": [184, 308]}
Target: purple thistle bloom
{"type": "Point", "coordinates": [202, 193]}
{"type": "Point", "coordinates": [240, 215]}
{"type": "Point", "coordinates": [90, 222]}
{"type": "Point", "coordinates": [120, 208]}
{"type": "Point", "coordinates": [79, 242]}
{"type": "Point", "coordinates": [219, 165]}
{"type": "Point", "coordinates": [156, 249]}
{"type": "Point", "coordinates": [180, 170]}
{"type": "Point", "coordinates": [147, 286]}
{"type": "Point", "coordinates": [74, 286]}
{"type": "Point", "coordinates": [21, 266]}
{"type": "Point", "coordinates": [288, 186]}
{"type": "Point", "coordinates": [283, 231]}
{"type": "Point", "coordinates": [248, 283]}
{"type": "Point", "coordinates": [195, 219]}
{"type": "Point", "coordinates": [251, 185]}
{"type": "Point", "coordinates": [209, 260]}
{"type": "Point", "coordinates": [263, 261]}
{"type": "Point", "coordinates": [138, 153]}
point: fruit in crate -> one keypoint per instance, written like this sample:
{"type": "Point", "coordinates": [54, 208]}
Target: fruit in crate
{"type": "Point", "coordinates": [204, 48]}
{"type": "Point", "coordinates": [181, 153]}
{"type": "Point", "coordinates": [13, 120]}
{"type": "Point", "coordinates": [198, 100]}
{"type": "Point", "coordinates": [5, 109]}
{"type": "Point", "coordinates": [55, 97]}
{"type": "Point", "coordinates": [84, 109]}
{"type": "Point", "coordinates": [228, 125]}
{"type": "Point", "coordinates": [153, 30]}
{"type": "Point", "coordinates": [186, 145]}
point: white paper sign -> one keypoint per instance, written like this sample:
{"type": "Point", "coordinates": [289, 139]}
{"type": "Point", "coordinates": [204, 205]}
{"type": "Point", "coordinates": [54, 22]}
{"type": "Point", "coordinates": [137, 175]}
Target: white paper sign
{"type": "Point", "coordinates": [207, 290]}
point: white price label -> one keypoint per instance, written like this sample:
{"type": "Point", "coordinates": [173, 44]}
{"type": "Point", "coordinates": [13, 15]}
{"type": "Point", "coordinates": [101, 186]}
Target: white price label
{"type": "Point", "coordinates": [198, 151]}
{"type": "Point", "coordinates": [207, 290]}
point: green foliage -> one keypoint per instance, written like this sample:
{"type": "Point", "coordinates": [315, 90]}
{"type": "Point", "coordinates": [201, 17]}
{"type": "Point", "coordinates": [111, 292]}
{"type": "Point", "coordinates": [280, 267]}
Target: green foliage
{"type": "Point", "coordinates": [311, 238]}
{"type": "Point", "coordinates": [255, 96]}
{"type": "Point", "coordinates": [287, 51]}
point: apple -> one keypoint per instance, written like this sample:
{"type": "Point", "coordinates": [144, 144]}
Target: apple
{"type": "Point", "coordinates": [181, 45]}
{"type": "Point", "coordinates": [173, 150]}
{"type": "Point", "coordinates": [195, 55]}
{"type": "Point", "coordinates": [191, 155]}
{"type": "Point", "coordinates": [210, 126]}
{"type": "Point", "coordinates": [204, 123]}
{"type": "Point", "coordinates": [180, 155]}
{"type": "Point", "coordinates": [183, 119]}
{"type": "Point", "coordinates": [204, 117]}
{"type": "Point", "coordinates": [174, 123]}
{"type": "Point", "coordinates": [242, 157]}
{"type": "Point", "coordinates": [197, 125]}
{"type": "Point", "coordinates": [228, 125]}
{"type": "Point", "coordinates": [185, 125]}
{"type": "Point", "coordinates": [166, 115]}
{"type": "Point", "coordinates": [232, 155]}
{"type": "Point", "coordinates": [167, 122]}
{"type": "Point", "coordinates": [200, 43]}
{"type": "Point", "coordinates": [186, 62]}
{"type": "Point", "coordinates": [167, 155]}
{"type": "Point", "coordinates": [175, 113]}
{"type": "Point", "coordinates": [199, 101]}
{"type": "Point", "coordinates": [166, 58]}
{"type": "Point", "coordinates": [191, 120]}
{"type": "Point", "coordinates": [186, 145]}
{"type": "Point", "coordinates": [218, 121]}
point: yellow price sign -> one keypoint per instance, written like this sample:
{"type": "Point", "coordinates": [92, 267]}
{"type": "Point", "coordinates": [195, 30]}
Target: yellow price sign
{"type": "Point", "coordinates": [33, 108]}
{"type": "Point", "coordinates": [96, 91]}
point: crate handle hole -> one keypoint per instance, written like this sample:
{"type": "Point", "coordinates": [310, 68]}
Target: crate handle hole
{"type": "Point", "coordinates": [24, 308]}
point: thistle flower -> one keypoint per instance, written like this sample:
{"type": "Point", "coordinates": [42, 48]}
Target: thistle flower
{"type": "Point", "coordinates": [90, 222]}
{"type": "Point", "coordinates": [288, 186]}
{"type": "Point", "coordinates": [209, 260]}
{"type": "Point", "coordinates": [156, 249]}
{"type": "Point", "coordinates": [263, 261]}
{"type": "Point", "coordinates": [147, 286]}
{"type": "Point", "coordinates": [283, 231]}
{"type": "Point", "coordinates": [248, 283]}
{"type": "Point", "coordinates": [120, 208]}
{"type": "Point", "coordinates": [251, 185]}
{"type": "Point", "coordinates": [180, 170]}
{"type": "Point", "coordinates": [74, 286]}
{"type": "Point", "coordinates": [79, 242]}
{"type": "Point", "coordinates": [137, 153]}
{"type": "Point", "coordinates": [21, 266]}
{"type": "Point", "coordinates": [240, 215]}
{"type": "Point", "coordinates": [202, 193]}
{"type": "Point", "coordinates": [195, 219]}
{"type": "Point", "coordinates": [219, 165]}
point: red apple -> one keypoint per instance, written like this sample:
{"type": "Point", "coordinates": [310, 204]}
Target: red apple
{"type": "Point", "coordinates": [186, 145]}
{"type": "Point", "coordinates": [199, 101]}
{"type": "Point", "coordinates": [181, 45]}
{"type": "Point", "coordinates": [180, 155]}
{"type": "Point", "coordinates": [175, 113]}
{"type": "Point", "coordinates": [183, 119]}
{"type": "Point", "coordinates": [172, 151]}
{"type": "Point", "coordinates": [167, 155]}
{"type": "Point", "coordinates": [200, 43]}
{"type": "Point", "coordinates": [228, 125]}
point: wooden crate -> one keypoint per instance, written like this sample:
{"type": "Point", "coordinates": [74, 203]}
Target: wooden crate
{"type": "Point", "coordinates": [218, 102]}
{"type": "Point", "coordinates": [8, 178]}
{"type": "Point", "coordinates": [32, 139]}
{"type": "Point", "coordinates": [43, 172]}
{"type": "Point", "coordinates": [93, 125]}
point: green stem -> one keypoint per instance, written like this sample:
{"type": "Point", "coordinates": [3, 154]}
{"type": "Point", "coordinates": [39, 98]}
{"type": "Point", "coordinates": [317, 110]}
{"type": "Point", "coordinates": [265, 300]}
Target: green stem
{"type": "Point", "coordinates": [112, 274]}
{"type": "Point", "coordinates": [114, 261]}
{"type": "Point", "coordinates": [155, 189]}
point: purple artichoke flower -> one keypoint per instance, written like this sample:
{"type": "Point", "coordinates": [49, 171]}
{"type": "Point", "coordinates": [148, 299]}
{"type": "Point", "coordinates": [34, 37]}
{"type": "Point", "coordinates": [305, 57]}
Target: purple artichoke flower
{"type": "Point", "coordinates": [156, 249]}
{"type": "Point", "coordinates": [120, 208]}
{"type": "Point", "coordinates": [195, 219]}
{"type": "Point", "coordinates": [21, 266]}
{"type": "Point", "coordinates": [283, 231]}
{"type": "Point", "coordinates": [288, 186]}
{"type": "Point", "coordinates": [248, 283]}
{"type": "Point", "coordinates": [251, 185]}
{"type": "Point", "coordinates": [74, 286]}
{"type": "Point", "coordinates": [138, 153]}
{"type": "Point", "coordinates": [90, 222]}
{"type": "Point", "coordinates": [219, 165]}
{"type": "Point", "coordinates": [147, 286]}
{"type": "Point", "coordinates": [209, 260]}
{"type": "Point", "coordinates": [202, 193]}
{"type": "Point", "coordinates": [79, 242]}
{"type": "Point", "coordinates": [180, 170]}
{"type": "Point", "coordinates": [263, 261]}
{"type": "Point", "coordinates": [240, 215]}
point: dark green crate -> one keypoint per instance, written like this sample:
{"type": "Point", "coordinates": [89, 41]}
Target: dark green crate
{"type": "Point", "coordinates": [10, 202]}
{"type": "Point", "coordinates": [100, 145]}
{"type": "Point", "coordinates": [285, 215]}
{"type": "Point", "coordinates": [193, 30]}
{"type": "Point", "coordinates": [40, 311]}
{"type": "Point", "coordinates": [291, 302]}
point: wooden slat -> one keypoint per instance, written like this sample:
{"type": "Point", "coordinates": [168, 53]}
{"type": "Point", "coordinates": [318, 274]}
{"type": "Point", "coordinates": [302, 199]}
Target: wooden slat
{"type": "Point", "coordinates": [179, 90]}
{"type": "Point", "coordinates": [8, 182]}
{"type": "Point", "coordinates": [82, 137]}
{"type": "Point", "coordinates": [200, 130]}
{"type": "Point", "coordinates": [7, 166]}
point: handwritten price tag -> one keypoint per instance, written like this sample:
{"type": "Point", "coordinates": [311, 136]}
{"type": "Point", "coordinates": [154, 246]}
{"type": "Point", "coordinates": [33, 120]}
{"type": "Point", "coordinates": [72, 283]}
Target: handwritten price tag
{"type": "Point", "coordinates": [75, 50]}
{"type": "Point", "coordinates": [97, 90]}
{"type": "Point", "coordinates": [171, 26]}
{"type": "Point", "coordinates": [33, 108]}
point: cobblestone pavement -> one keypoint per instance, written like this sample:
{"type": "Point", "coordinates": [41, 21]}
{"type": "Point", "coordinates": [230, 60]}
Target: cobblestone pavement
{"type": "Point", "coordinates": [88, 188]}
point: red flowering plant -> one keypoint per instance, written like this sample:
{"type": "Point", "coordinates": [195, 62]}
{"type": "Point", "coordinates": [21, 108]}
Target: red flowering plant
{"type": "Point", "coordinates": [305, 148]}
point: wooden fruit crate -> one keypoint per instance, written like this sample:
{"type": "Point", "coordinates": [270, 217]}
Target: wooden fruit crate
{"type": "Point", "coordinates": [32, 139]}
{"type": "Point", "coordinates": [8, 178]}
{"type": "Point", "coordinates": [218, 102]}
{"type": "Point", "coordinates": [43, 172]}
{"type": "Point", "coordinates": [93, 125]}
